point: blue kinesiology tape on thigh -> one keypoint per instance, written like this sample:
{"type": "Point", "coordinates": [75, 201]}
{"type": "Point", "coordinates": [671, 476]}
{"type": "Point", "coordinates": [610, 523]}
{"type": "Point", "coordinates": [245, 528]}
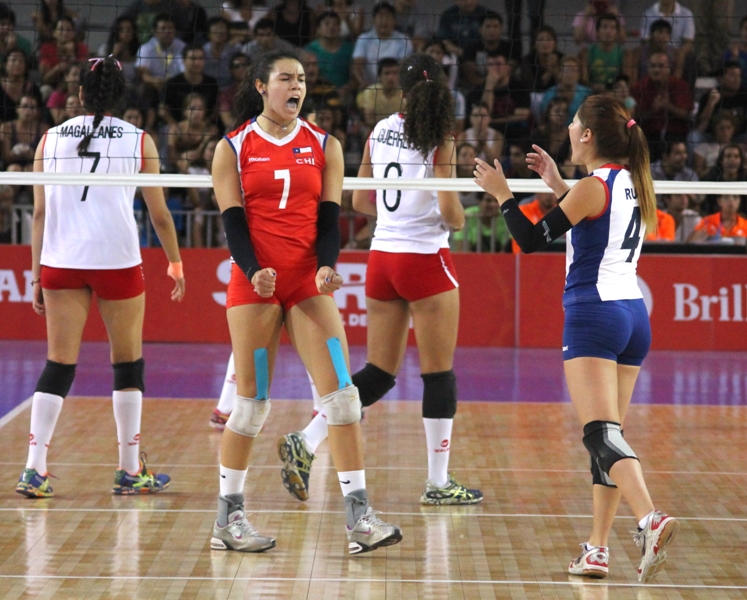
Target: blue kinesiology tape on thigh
{"type": "Point", "coordinates": [262, 373]}
{"type": "Point", "coordinates": [338, 361]}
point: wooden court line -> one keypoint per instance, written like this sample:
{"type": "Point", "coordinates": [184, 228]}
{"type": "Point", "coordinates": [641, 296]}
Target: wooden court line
{"type": "Point", "coordinates": [385, 581]}
{"type": "Point", "coordinates": [14, 412]}
{"type": "Point", "coordinates": [336, 512]}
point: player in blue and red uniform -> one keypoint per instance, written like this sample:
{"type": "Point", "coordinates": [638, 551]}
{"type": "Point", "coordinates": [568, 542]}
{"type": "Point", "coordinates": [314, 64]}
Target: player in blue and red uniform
{"type": "Point", "coordinates": [278, 182]}
{"type": "Point", "coordinates": [606, 334]}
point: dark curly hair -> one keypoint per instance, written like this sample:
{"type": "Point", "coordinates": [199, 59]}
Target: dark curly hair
{"type": "Point", "coordinates": [249, 103]}
{"type": "Point", "coordinates": [103, 88]}
{"type": "Point", "coordinates": [430, 106]}
{"type": "Point", "coordinates": [114, 35]}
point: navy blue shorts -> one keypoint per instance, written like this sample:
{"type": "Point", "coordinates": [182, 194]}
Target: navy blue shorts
{"type": "Point", "coordinates": [617, 330]}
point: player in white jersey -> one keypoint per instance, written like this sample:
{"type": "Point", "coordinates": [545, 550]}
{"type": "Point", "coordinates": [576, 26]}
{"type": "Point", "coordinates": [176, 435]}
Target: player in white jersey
{"type": "Point", "coordinates": [606, 334]}
{"type": "Point", "coordinates": [409, 273]}
{"type": "Point", "coordinates": [84, 241]}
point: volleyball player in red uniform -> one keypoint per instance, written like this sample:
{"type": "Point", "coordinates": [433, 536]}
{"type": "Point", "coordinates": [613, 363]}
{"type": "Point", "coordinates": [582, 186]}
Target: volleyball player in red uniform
{"type": "Point", "coordinates": [278, 182]}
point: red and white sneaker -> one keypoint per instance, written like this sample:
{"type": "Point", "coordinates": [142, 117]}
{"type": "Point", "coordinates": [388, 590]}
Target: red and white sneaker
{"type": "Point", "coordinates": [218, 420]}
{"type": "Point", "coordinates": [593, 562]}
{"type": "Point", "coordinates": [653, 540]}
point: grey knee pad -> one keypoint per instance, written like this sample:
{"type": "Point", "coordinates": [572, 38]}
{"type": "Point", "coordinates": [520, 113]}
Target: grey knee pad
{"type": "Point", "coordinates": [599, 477]}
{"type": "Point", "coordinates": [439, 395]}
{"type": "Point", "coordinates": [56, 379]}
{"type": "Point", "coordinates": [342, 407]}
{"type": "Point", "coordinates": [605, 443]}
{"type": "Point", "coordinates": [248, 416]}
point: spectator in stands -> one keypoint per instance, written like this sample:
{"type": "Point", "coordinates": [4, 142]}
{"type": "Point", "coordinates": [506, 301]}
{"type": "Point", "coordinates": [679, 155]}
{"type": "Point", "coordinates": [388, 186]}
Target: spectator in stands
{"type": "Point", "coordinates": [218, 52]}
{"type": "Point", "coordinates": [604, 60]}
{"type": "Point", "coordinates": [685, 219]}
{"type": "Point", "coordinates": [226, 105]}
{"type": "Point", "coordinates": [55, 57]}
{"type": "Point", "coordinates": [738, 50]}
{"type": "Point", "coordinates": [265, 40]}
{"type": "Point", "coordinates": [459, 25]}
{"type": "Point", "coordinates": [351, 17]}
{"type": "Point", "coordinates": [192, 80]}
{"type": "Point", "coordinates": [188, 17]}
{"type": "Point", "coordinates": [535, 208]}
{"type": "Point", "coordinates": [295, 22]}
{"type": "Point", "coordinates": [474, 59]}
{"type": "Point", "coordinates": [585, 23]}
{"type": "Point", "coordinates": [160, 57]}
{"type": "Point", "coordinates": [384, 97]}
{"type": "Point", "coordinates": [123, 44]}
{"type": "Point", "coordinates": [14, 83]}
{"type": "Point", "coordinates": [728, 97]}
{"type": "Point", "coordinates": [9, 39]}
{"type": "Point", "coordinates": [200, 200]}
{"type": "Point", "coordinates": [568, 88]}
{"type": "Point", "coordinates": [726, 223]}
{"type": "Point", "coordinates": [333, 52]}
{"type": "Point", "coordinates": [540, 69]}
{"type": "Point", "coordinates": [319, 90]}
{"type": "Point", "coordinates": [21, 136]}
{"type": "Point", "coordinates": [466, 154]}
{"type": "Point", "coordinates": [705, 154]}
{"type": "Point", "coordinates": [552, 135]}
{"type": "Point", "coordinates": [535, 11]}
{"type": "Point", "coordinates": [484, 228]}
{"type": "Point", "coordinates": [660, 40]}
{"type": "Point", "coordinates": [416, 22]}
{"type": "Point", "coordinates": [664, 103]}
{"type": "Point", "coordinates": [383, 41]}
{"type": "Point", "coordinates": [672, 166]}
{"type": "Point", "coordinates": [70, 84]}
{"type": "Point", "coordinates": [46, 17]}
{"type": "Point", "coordinates": [665, 228]}
{"type": "Point", "coordinates": [248, 12]}
{"type": "Point", "coordinates": [436, 49]}
{"type": "Point", "coordinates": [729, 167]}
{"type": "Point", "coordinates": [683, 32]}
{"type": "Point", "coordinates": [487, 142]}
{"type": "Point", "coordinates": [516, 167]}
{"type": "Point", "coordinates": [73, 107]}
{"type": "Point", "coordinates": [7, 199]}
{"type": "Point", "coordinates": [507, 100]}
{"type": "Point", "coordinates": [187, 138]}
{"type": "Point", "coordinates": [621, 90]}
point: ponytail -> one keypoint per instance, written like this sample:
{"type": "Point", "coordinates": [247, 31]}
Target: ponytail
{"type": "Point", "coordinates": [640, 168]}
{"type": "Point", "coordinates": [103, 88]}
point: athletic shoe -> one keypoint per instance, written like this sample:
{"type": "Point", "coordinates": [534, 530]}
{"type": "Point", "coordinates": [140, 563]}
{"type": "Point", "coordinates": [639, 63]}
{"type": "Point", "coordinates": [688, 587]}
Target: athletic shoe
{"type": "Point", "coordinates": [295, 473]}
{"type": "Point", "coordinates": [34, 485]}
{"type": "Point", "coordinates": [593, 562]}
{"type": "Point", "coordinates": [218, 420]}
{"type": "Point", "coordinates": [239, 535]}
{"type": "Point", "coordinates": [142, 482]}
{"type": "Point", "coordinates": [370, 533]}
{"type": "Point", "coordinates": [452, 493]}
{"type": "Point", "coordinates": [653, 540]}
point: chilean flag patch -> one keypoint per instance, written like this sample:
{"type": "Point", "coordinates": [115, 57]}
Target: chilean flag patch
{"type": "Point", "coordinates": [303, 151]}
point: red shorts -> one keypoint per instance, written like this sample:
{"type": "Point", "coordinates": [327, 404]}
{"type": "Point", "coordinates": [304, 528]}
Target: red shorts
{"type": "Point", "coordinates": [107, 284]}
{"type": "Point", "coordinates": [409, 276]}
{"type": "Point", "coordinates": [291, 287]}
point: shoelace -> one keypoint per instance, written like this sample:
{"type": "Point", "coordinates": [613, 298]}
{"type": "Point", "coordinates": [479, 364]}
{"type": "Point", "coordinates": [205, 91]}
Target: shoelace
{"type": "Point", "coordinates": [246, 527]}
{"type": "Point", "coordinates": [640, 538]}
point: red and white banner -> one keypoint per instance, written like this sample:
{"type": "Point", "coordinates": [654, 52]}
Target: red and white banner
{"type": "Point", "coordinates": [695, 302]}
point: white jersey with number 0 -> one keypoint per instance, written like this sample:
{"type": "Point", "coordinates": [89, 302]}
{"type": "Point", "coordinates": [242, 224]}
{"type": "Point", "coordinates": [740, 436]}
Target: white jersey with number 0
{"type": "Point", "coordinates": [91, 227]}
{"type": "Point", "coordinates": [407, 220]}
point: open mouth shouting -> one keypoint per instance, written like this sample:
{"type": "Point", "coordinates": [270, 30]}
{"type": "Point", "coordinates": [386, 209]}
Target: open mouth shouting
{"type": "Point", "coordinates": [293, 103]}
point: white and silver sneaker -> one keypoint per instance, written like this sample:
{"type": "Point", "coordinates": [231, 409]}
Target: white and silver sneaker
{"type": "Point", "coordinates": [593, 562]}
{"type": "Point", "coordinates": [370, 533]}
{"type": "Point", "coordinates": [653, 541]}
{"type": "Point", "coordinates": [239, 535]}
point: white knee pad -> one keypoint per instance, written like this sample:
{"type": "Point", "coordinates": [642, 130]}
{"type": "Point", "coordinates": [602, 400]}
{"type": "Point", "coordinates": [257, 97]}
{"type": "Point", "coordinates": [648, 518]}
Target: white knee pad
{"type": "Point", "coordinates": [248, 416]}
{"type": "Point", "coordinates": [342, 407]}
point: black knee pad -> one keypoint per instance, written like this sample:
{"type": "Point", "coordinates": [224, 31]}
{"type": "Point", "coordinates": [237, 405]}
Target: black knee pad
{"type": "Point", "coordinates": [605, 443]}
{"type": "Point", "coordinates": [439, 395]}
{"type": "Point", "coordinates": [599, 477]}
{"type": "Point", "coordinates": [129, 375]}
{"type": "Point", "coordinates": [372, 383]}
{"type": "Point", "coordinates": [56, 379]}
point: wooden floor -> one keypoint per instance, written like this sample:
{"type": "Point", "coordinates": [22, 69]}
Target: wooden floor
{"type": "Point", "coordinates": [527, 458]}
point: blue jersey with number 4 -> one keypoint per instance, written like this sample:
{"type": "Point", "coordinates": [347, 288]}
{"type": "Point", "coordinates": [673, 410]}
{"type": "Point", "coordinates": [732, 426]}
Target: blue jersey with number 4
{"type": "Point", "coordinates": [602, 251]}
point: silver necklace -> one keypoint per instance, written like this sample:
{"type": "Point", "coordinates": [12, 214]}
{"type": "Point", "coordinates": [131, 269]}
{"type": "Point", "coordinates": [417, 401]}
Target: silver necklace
{"type": "Point", "coordinates": [283, 127]}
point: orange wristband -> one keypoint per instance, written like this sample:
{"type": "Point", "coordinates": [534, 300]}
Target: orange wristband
{"type": "Point", "coordinates": [175, 270]}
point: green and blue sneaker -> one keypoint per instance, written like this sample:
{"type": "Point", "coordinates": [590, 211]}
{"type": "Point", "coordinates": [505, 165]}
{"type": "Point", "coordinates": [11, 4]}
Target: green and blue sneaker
{"type": "Point", "coordinates": [452, 493]}
{"type": "Point", "coordinates": [297, 459]}
{"type": "Point", "coordinates": [142, 482]}
{"type": "Point", "coordinates": [34, 485]}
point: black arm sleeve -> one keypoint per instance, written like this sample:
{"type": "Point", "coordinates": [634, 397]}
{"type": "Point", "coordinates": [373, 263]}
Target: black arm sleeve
{"type": "Point", "coordinates": [529, 236]}
{"type": "Point", "coordinates": [239, 242]}
{"type": "Point", "coordinates": [328, 234]}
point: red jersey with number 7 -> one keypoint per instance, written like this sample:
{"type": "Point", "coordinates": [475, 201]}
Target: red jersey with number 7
{"type": "Point", "coordinates": [281, 183]}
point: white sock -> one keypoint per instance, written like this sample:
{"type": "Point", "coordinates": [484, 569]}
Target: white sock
{"type": "Point", "coordinates": [438, 440]}
{"type": "Point", "coordinates": [315, 395]}
{"type": "Point", "coordinates": [128, 406]}
{"type": "Point", "coordinates": [45, 408]}
{"type": "Point", "coordinates": [351, 481]}
{"type": "Point", "coordinates": [228, 394]}
{"type": "Point", "coordinates": [644, 521]}
{"type": "Point", "coordinates": [316, 432]}
{"type": "Point", "coordinates": [231, 481]}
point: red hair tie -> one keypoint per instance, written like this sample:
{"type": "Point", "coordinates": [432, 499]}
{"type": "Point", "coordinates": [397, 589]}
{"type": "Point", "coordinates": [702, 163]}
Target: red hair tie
{"type": "Point", "coordinates": [425, 74]}
{"type": "Point", "coordinates": [630, 123]}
